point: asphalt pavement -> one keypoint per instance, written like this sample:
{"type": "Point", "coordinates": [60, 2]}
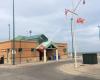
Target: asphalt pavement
{"type": "Point", "coordinates": [39, 72]}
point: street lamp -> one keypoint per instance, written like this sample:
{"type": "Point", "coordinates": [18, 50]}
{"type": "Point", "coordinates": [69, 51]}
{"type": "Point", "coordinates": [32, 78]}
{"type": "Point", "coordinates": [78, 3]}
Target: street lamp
{"type": "Point", "coordinates": [83, 1]}
{"type": "Point", "coordinates": [74, 45]}
{"type": "Point", "coordinates": [72, 31]}
{"type": "Point", "coordinates": [13, 48]}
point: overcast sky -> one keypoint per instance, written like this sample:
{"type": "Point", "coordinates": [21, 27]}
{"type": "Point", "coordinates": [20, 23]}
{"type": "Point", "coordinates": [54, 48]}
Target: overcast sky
{"type": "Point", "coordinates": [47, 17]}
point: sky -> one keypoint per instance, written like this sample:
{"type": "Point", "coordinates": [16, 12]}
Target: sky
{"type": "Point", "coordinates": [47, 17]}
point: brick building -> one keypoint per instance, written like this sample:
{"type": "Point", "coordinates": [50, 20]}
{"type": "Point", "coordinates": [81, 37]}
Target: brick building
{"type": "Point", "coordinates": [31, 50]}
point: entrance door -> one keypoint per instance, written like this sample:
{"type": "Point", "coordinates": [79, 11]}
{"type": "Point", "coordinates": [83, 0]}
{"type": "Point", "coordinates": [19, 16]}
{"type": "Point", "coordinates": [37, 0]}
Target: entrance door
{"type": "Point", "coordinates": [41, 56]}
{"type": "Point", "coordinates": [50, 54]}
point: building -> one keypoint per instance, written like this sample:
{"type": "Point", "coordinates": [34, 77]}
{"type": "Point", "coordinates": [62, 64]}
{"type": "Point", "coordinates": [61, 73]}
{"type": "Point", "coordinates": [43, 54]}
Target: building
{"type": "Point", "coordinates": [32, 49]}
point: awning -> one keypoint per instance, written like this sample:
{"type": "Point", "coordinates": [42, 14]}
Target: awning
{"type": "Point", "coordinates": [46, 45]}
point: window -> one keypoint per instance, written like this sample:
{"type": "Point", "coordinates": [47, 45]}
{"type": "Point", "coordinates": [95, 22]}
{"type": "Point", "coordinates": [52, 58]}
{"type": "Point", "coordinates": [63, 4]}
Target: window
{"type": "Point", "coordinates": [8, 50]}
{"type": "Point", "coordinates": [65, 50]}
{"type": "Point", "coordinates": [12, 50]}
{"type": "Point", "coordinates": [32, 49]}
{"type": "Point", "coordinates": [20, 50]}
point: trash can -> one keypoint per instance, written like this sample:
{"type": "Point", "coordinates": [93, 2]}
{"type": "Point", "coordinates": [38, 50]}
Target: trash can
{"type": "Point", "coordinates": [90, 58]}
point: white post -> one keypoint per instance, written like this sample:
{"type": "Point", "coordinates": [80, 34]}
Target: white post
{"type": "Point", "coordinates": [75, 58]}
{"type": "Point", "coordinates": [56, 54]}
{"type": "Point", "coordinates": [45, 58]}
{"type": "Point", "coordinates": [75, 52]}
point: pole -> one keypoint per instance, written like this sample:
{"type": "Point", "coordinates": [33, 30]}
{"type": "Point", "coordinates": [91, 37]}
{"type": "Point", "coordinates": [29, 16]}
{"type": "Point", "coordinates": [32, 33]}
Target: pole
{"type": "Point", "coordinates": [74, 37]}
{"type": "Point", "coordinates": [75, 53]}
{"type": "Point", "coordinates": [9, 30]}
{"type": "Point", "coordinates": [73, 44]}
{"type": "Point", "coordinates": [72, 34]}
{"type": "Point", "coordinates": [75, 58]}
{"type": "Point", "coordinates": [99, 31]}
{"type": "Point", "coordinates": [20, 53]}
{"type": "Point", "coordinates": [13, 50]}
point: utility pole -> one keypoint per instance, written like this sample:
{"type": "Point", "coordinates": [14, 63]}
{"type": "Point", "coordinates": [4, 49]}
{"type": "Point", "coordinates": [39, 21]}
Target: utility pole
{"type": "Point", "coordinates": [13, 49]}
{"type": "Point", "coordinates": [9, 30]}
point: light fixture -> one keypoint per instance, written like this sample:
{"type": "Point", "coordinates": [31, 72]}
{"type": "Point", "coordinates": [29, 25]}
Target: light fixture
{"type": "Point", "coordinates": [83, 1]}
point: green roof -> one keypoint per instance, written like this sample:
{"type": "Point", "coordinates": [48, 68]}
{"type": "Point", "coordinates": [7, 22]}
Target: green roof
{"type": "Point", "coordinates": [20, 38]}
{"type": "Point", "coordinates": [39, 38]}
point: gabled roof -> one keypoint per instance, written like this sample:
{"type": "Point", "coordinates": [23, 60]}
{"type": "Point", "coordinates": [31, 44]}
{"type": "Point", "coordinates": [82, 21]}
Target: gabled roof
{"type": "Point", "coordinates": [46, 45]}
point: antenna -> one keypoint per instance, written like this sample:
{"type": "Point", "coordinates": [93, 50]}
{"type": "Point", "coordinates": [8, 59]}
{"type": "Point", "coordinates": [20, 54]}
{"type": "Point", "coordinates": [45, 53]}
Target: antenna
{"type": "Point", "coordinates": [30, 32]}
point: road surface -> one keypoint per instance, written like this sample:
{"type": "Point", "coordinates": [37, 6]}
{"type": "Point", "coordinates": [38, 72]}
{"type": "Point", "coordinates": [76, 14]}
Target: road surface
{"type": "Point", "coordinates": [39, 72]}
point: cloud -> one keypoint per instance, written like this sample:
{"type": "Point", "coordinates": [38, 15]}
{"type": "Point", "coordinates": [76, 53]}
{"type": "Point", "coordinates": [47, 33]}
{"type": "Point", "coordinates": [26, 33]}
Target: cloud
{"type": "Point", "coordinates": [47, 16]}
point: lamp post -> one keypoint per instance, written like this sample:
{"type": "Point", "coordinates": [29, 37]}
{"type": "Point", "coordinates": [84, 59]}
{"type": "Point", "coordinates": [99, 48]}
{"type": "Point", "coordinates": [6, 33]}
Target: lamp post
{"type": "Point", "coordinates": [73, 32]}
{"type": "Point", "coordinates": [74, 44]}
{"type": "Point", "coordinates": [13, 49]}
{"type": "Point", "coordinates": [83, 1]}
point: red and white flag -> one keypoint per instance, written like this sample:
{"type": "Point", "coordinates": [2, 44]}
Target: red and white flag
{"type": "Point", "coordinates": [80, 20]}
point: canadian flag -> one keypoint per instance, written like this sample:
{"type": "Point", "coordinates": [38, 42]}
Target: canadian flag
{"type": "Point", "coordinates": [80, 20]}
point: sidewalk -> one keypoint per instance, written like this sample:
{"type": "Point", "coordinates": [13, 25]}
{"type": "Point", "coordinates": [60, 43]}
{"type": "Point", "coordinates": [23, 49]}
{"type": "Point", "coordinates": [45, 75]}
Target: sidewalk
{"type": "Point", "coordinates": [10, 66]}
{"type": "Point", "coordinates": [92, 71]}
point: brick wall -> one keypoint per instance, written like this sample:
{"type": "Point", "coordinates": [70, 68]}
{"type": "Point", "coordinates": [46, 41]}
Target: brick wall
{"type": "Point", "coordinates": [25, 55]}
{"type": "Point", "coordinates": [61, 50]}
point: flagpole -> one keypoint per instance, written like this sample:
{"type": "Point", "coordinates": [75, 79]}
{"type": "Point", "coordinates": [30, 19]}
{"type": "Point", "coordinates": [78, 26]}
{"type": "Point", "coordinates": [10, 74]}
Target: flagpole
{"type": "Point", "coordinates": [73, 32]}
{"type": "Point", "coordinates": [74, 37]}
